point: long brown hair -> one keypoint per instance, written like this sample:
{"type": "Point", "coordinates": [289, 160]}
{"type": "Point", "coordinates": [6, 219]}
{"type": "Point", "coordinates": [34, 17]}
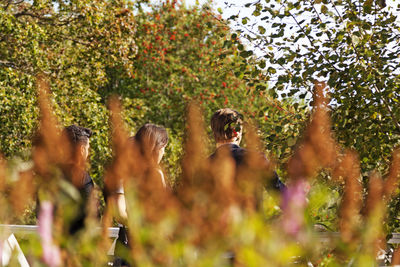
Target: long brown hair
{"type": "Point", "coordinates": [149, 139]}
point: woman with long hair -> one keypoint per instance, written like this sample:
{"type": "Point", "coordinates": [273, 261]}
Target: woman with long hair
{"type": "Point", "coordinates": [151, 141]}
{"type": "Point", "coordinates": [149, 146]}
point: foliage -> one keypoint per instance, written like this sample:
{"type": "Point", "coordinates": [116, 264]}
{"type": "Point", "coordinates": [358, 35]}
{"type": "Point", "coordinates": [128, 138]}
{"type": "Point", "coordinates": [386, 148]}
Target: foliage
{"type": "Point", "coordinates": [72, 42]}
{"type": "Point", "coordinates": [211, 219]}
{"type": "Point", "coordinates": [353, 46]}
{"type": "Point", "coordinates": [157, 61]}
{"type": "Point", "coordinates": [188, 54]}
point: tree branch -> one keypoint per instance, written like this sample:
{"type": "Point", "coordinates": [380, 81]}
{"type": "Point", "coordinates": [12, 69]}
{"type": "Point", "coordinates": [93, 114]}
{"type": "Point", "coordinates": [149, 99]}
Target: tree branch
{"type": "Point", "coordinates": [10, 2]}
{"type": "Point", "coordinates": [49, 20]}
{"type": "Point", "coordinates": [7, 64]}
{"type": "Point", "coordinates": [25, 68]}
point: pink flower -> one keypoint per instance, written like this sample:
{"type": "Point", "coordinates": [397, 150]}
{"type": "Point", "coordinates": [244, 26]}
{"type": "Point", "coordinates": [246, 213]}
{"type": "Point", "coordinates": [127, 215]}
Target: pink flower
{"type": "Point", "coordinates": [293, 204]}
{"type": "Point", "coordinates": [51, 253]}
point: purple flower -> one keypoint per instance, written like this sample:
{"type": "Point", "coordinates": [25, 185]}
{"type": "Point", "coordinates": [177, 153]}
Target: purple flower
{"type": "Point", "coordinates": [293, 204]}
{"type": "Point", "coordinates": [51, 253]}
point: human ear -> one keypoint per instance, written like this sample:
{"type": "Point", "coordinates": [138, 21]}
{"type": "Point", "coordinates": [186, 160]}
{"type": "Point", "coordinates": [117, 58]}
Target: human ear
{"type": "Point", "coordinates": [82, 150]}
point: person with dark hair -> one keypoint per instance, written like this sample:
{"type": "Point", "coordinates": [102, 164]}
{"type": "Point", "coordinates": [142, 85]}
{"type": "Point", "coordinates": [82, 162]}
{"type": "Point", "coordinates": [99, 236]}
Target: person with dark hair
{"type": "Point", "coordinates": [150, 141]}
{"type": "Point", "coordinates": [227, 127]}
{"type": "Point", "coordinates": [79, 140]}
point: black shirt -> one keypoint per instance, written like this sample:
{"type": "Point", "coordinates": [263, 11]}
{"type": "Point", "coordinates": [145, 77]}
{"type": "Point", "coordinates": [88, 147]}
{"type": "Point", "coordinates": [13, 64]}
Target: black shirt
{"type": "Point", "coordinates": [85, 190]}
{"type": "Point", "coordinates": [87, 185]}
{"type": "Point", "coordinates": [238, 154]}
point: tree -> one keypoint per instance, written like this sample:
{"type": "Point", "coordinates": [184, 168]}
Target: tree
{"type": "Point", "coordinates": [353, 45]}
{"type": "Point", "coordinates": [189, 54]}
{"type": "Point", "coordinates": [72, 43]}
{"type": "Point", "coordinates": [156, 58]}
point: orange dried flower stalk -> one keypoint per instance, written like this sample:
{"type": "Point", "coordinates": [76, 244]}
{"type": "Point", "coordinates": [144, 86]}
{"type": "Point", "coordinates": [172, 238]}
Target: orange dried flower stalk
{"type": "Point", "coordinates": [318, 148]}
{"type": "Point", "coordinates": [197, 189]}
{"type": "Point", "coordinates": [254, 173]}
{"type": "Point", "coordinates": [375, 209]}
{"type": "Point", "coordinates": [375, 190]}
{"type": "Point", "coordinates": [123, 160]}
{"type": "Point", "coordinates": [396, 257]}
{"type": "Point", "coordinates": [352, 199]}
{"type": "Point", "coordinates": [51, 148]}
{"type": "Point", "coordinates": [320, 134]}
{"type": "Point", "coordinates": [23, 192]}
{"type": "Point", "coordinates": [223, 169]}
{"type": "Point", "coordinates": [392, 179]}
{"type": "Point", "coordinates": [2, 174]}
{"type": "Point", "coordinates": [195, 153]}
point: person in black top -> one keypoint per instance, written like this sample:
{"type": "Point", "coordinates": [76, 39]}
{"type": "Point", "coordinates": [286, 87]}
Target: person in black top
{"type": "Point", "coordinates": [226, 125]}
{"type": "Point", "coordinates": [79, 140]}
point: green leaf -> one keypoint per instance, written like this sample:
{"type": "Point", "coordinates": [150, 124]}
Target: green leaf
{"type": "Point", "coordinates": [271, 70]}
{"type": "Point", "coordinates": [324, 9]}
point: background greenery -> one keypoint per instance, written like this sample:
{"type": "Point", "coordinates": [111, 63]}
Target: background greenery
{"type": "Point", "coordinates": [353, 46]}
{"type": "Point", "coordinates": [156, 58]}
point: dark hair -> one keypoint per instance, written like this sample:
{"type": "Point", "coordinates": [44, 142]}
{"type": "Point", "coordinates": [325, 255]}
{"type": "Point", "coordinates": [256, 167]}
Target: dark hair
{"type": "Point", "coordinates": [77, 134]}
{"type": "Point", "coordinates": [151, 138]}
{"type": "Point", "coordinates": [225, 123]}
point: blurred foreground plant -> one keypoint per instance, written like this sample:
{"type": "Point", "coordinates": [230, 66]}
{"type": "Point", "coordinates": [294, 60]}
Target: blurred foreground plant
{"type": "Point", "coordinates": [211, 218]}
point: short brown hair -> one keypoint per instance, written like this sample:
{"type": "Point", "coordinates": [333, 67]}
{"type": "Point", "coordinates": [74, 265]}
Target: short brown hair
{"type": "Point", "coordinates": [225, 123]}
{"type": "Point", "coordinates": [77, 134]}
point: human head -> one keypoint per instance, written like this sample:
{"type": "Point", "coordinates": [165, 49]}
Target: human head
{"type": "Point", "coordinates": [226, 125]}
{"type": "Point", "coordinates": [152, 140]}
{"type": "Point", "coordinates": [79, 138]}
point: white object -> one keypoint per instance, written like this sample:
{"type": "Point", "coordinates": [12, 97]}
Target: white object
{"type": "Point", "coordinates": [8, 248]}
